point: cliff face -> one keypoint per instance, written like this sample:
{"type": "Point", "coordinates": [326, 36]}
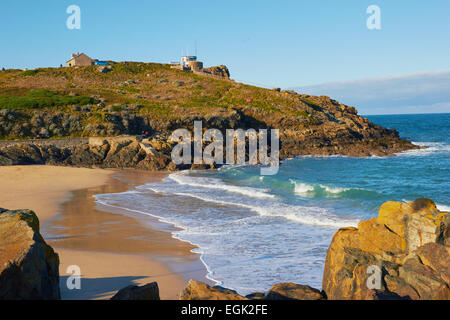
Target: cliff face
{"type": "Point", "coordinates": [408, 242]}
{"type": "Point", "coordinates": [137, 97]}
{"type": "Point", "coordinates": [28, 266]}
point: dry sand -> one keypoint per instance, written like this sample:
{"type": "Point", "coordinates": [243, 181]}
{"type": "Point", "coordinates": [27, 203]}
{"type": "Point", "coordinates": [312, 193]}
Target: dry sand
{"type": "Point", "coordinates": [102, 274]}
{"type": "Point", "coordinates": [43, 188]}
{"type": "Point", "coordinates": [112, 248]}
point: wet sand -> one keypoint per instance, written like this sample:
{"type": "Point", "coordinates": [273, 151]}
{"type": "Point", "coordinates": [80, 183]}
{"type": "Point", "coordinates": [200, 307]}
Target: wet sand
{"type": "Point", "coordinates": [113, 248]}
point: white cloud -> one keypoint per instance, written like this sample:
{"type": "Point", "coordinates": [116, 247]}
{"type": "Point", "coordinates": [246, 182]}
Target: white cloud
{"type": "Point", "coordinates": [420, 92]}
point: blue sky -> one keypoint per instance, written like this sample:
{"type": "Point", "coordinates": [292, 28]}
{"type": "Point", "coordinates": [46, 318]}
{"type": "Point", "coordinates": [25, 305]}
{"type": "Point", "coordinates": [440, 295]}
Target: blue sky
{"type": "Point", "coordinates": [267, 43]}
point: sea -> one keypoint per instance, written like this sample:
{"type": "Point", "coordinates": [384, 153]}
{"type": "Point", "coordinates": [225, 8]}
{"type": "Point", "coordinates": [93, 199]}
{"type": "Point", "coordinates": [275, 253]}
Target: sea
{"type": "Point", "coordinates": [253, 231]}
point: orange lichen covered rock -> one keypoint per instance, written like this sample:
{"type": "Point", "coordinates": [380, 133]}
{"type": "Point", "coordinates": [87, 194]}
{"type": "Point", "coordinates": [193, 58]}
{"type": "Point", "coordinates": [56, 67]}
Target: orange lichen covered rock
{"type": "Point", "coordinates": [28, 266]}
{"type": "Point", "coordinates": [408, 243]}
{"type": "Point", "coordinates": [293, 291]}
{"type": "Point", "coordinates": [196, 290]}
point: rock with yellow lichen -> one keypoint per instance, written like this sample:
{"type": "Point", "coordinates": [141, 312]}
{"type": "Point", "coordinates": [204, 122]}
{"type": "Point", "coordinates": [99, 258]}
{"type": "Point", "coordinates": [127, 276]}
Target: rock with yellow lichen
{"type": "Point", "coordinates": [196, 290]}
{"type": "Point", "coordinates": [28, 266]}
{"type": "Point", "coordinates": [293, 291]}
{"type": "Point", "coordinates": [408, 243]}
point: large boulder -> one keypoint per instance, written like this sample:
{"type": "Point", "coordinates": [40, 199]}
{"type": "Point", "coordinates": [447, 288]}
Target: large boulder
{"type": "Point", "coordinates": [196, 290]}
{"type": "Point", "coordinates": [28, 266]}
{"type": "Point", "coordinates": [149, 291]}
{"type": "Point", "coordinates": [292, 291]}
{"type": "Point", "coordinates": [408, 243]}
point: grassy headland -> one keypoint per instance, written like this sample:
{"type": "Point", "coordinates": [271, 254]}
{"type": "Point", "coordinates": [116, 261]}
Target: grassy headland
{"type": "Point", "coordinates": [135, 97]}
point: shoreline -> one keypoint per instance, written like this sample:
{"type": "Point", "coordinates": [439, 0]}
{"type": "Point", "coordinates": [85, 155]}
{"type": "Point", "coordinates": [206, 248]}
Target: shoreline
{"type": "Point", "coordinates": [131, 251]}
{"type": "Point", "coordinates": [159, 224]}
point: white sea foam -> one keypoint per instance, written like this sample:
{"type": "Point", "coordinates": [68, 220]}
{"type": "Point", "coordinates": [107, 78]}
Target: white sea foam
{"type": "Point", "coordinates": [442, 207]}
{"type": "Point", "coordinates": [213, 183]}
{"type": "Point", "coordinates": [267, 248]}
{"type": "Point", "coordinates": [308, 215]}
{"type": "Point", "coordinates": [272, 207]}
{"type": "Point", "coordinates": [213, 200]}
{"type": "Point", "coordinates": [431, 148]}
{"type": "Point", "coordinates": [301, 188]}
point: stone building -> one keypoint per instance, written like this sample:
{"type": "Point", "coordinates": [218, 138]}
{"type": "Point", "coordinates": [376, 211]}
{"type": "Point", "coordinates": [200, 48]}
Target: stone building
{"type": "Point", "coordinates": [79, 59]}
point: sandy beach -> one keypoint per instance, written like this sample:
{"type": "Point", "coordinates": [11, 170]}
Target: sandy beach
{"type": "Point", "coordinates": [43, 188]}
{"type": "Point", "coordinates": [113, 249]}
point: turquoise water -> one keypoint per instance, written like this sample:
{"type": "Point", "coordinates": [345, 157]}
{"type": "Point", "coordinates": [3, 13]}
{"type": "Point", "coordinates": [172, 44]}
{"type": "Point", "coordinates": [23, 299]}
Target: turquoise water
{"type": "Point", "coordinates": [254, 231]}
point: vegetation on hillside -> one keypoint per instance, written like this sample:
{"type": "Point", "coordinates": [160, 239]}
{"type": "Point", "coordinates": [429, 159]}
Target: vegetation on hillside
{"type": "Point", "coordinates": [134, 97]}
{"type": "Point", "coordinates": [161, 92]}
{"type": "Point", "coordinates": [39, 99]}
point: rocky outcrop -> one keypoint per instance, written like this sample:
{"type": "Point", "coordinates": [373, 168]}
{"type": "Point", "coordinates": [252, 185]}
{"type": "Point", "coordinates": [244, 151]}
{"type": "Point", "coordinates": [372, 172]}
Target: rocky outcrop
{"type": "Point", "coordinates": [404, 253]}
{"type": "Point", "coordinates": [292, 291]}
{"type": "Point", "coordinates": [325, 128]}
{"type": "Point", "coordinates": [20, 124]}
{"type": "Point", "coordinates": [346, 134]}
{"type": "Point", "coordinates": [219, 71]}
{"type": "Point", "coordinates": [117, 152]}
{"type": "Point", "coordinates": [149, 291]}
{"type": "Point", "coordinates": [28, 266]}
{"type": "Point", "coordinates": [328, 127]}
{"type": "Point", "coordinates": [196, 290]}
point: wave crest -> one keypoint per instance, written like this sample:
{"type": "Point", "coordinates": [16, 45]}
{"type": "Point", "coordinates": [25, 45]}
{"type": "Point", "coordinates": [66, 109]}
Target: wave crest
{"type": "Point", "coordinates": [217, 184]}
{"type": "Point", "coordinates": [320, 190]}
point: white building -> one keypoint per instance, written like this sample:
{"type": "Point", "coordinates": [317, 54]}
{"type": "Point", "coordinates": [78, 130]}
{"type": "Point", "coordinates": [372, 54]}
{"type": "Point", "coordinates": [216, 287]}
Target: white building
{"type": "Point", "coordinates": [186, 59]}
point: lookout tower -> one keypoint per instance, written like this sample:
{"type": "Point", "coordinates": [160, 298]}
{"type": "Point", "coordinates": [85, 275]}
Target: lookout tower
{"type": "Point", "coordinates": [186, 59]}
{"type": "Point", "coordinates": [190, 62]}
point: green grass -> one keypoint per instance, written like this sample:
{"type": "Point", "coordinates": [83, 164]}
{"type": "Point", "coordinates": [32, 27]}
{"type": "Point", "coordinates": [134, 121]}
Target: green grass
{"type": "Point", "coordinates": [39, 99]}
{"type": "Point", "coordinates": [31, 72]}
